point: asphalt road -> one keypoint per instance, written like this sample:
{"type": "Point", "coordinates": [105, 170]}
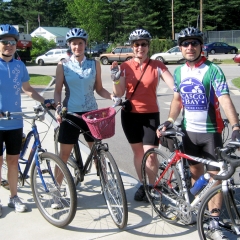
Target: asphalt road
{"type": "Point", "coordinates": [119, 147]}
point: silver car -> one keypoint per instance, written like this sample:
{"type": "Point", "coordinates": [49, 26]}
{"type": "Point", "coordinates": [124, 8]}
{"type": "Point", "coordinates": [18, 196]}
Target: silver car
{"type": "Point", "coordinates": [53, 56]}
{"type": "Point", "coordinates": [172, 55]}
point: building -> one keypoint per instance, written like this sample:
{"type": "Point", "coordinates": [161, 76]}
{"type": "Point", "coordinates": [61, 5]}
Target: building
{"type": "Point", "coordinates": [58, 34]}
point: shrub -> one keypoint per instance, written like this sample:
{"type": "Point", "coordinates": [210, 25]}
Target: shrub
{"type": "Point", "coordinates": [41, 45]}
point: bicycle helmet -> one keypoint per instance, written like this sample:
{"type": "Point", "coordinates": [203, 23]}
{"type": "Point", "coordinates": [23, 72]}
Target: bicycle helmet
{"type": "Point", "coordinates": [139, 34]}
{"type": "Point", "coordinates": [7, 30]}
{"type": "Point", "coordinates": [190, 33]}
{"type": "Point", "coordinates": [76, 33]}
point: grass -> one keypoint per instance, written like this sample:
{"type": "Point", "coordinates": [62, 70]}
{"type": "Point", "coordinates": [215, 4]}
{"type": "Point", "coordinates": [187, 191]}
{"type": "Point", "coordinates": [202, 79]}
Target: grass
{"type": "Point", "coordinates": [36, 79]}
{"type": "Point", "coordinates": [236, 82]}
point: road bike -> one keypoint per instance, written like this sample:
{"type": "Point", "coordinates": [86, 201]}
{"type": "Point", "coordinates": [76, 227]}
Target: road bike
{"type": "Point", "coordinates": [102, 125]}
{"type": "Point", "coordinates": [45, 168]}
{"type": "Point", "coordinates": [167, 188]}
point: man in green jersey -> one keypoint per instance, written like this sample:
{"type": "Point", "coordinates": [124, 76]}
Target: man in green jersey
{"type": "Point", "coordinates": [200, 86]}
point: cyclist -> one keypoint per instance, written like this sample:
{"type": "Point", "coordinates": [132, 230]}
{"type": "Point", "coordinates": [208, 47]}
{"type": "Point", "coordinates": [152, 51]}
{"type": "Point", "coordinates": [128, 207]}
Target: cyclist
{"type": "Point", "coordinates": [13, 78]}
{"type": "Point", "coordinates": [200, 86]}
{"type": "Point", "coordinates": [140, 124]}
{"type": "Point", "coordinates": [80, 76]}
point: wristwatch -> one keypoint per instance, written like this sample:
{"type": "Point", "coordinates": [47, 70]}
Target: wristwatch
{"type": "Point", "coordinates": [236, 125]}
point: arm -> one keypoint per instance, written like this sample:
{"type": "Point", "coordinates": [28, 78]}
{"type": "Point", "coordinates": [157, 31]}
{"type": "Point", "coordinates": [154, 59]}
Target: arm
{"type": "Point", "coordinates": [176, 106]}
{"type": "Point", "coordinates": [58, 90]}
{"type": "Point", "coordinates": [229, 110]}
{"type": "Point", "coordinates": [58, 83]}
{"type": "Point", "coordinates": [119, 85]}
{"type": "Point", "coordinates": [101, 91]}
{"type": "Point", "coordinates": [31, 92]}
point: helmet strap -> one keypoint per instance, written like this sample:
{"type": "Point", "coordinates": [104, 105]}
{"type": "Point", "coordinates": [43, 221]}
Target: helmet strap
{"type": "Point", "coordinates": [6, 55]}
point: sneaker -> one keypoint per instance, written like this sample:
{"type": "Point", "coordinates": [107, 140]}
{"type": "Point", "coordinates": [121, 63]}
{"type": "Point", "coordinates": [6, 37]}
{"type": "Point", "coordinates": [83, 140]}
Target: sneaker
{"type": "Point", "coordinates": [216, 234]}
{"type": "Point", "coordinates": [56, 201]}
{"type": "Point", "coordinates": [16, 203]}
{"type": "Point", "coordinates": [0, 209]}
{"type": "Point", "coordinates": [140, 195]}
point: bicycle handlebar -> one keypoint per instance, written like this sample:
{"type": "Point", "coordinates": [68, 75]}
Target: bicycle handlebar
{"type": "Point", "coordinates": [234, 163]}
{"type": "Point", "coordinates": [36, 110]}
{"type": "Point", "coordinates": [172, 130]}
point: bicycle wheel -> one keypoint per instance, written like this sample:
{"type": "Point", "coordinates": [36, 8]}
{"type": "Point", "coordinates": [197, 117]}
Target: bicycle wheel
{"type": "Point", "coordinates": [158, 190]}
{"type": "Point", "coordinates": [57, 202]}
{"type": "Point", "coordinates": [113, 189]}
{"type": "Point", "coordinates": [72, 161]}
{"type": "Point", "coordinates": [206, 225]}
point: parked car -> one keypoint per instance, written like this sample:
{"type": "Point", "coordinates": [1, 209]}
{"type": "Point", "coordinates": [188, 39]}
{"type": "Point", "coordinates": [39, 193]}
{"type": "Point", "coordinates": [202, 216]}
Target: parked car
{"type": "Point", "coordinates": [97, 49]}
{"type": "Point", "coordinates": [172, 55]}
{"type": "Point", "coordinates": [119, 54]}
{"type": "Point", "coordinates": [220, 47]}
{"type": "Point", "coordinates": [52, 56]}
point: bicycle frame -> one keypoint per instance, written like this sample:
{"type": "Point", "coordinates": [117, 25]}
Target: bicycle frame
{"type": "Point", "coordinates": [176, 160]}
{"type": "Point", "coordinates": [34, 154]}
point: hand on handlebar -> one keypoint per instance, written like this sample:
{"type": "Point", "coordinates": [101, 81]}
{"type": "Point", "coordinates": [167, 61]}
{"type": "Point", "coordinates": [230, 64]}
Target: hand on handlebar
{"type": "Point", "coordinates": [236, 135]}
{"type": "Point", "coordinates": [163, 127]}
{"type": "Point", "coordinates": [117, 101]}
{"type": "Point", "coordinates": [58, 113]}
{"type": "Point", "coordinates": [50, 104]}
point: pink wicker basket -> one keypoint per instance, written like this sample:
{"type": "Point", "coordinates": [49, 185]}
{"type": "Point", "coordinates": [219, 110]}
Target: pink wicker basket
{"type": "Point", "coordinates": [101, 122]}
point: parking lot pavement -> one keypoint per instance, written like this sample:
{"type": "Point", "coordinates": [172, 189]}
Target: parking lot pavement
{"type": "Point", "coordinates": [92, 220]}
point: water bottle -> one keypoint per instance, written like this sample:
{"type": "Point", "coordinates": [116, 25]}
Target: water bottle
{"type": "Point", "coordinates": [200, 184]}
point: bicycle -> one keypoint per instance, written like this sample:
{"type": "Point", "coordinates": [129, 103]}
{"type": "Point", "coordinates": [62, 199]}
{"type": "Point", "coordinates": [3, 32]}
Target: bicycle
{"type": "Point", "coordinates": [45, 167]}
{"type": "Point", "coordinates": [167, 189]}
{"type": "Point", "coordinates": [102, 125]}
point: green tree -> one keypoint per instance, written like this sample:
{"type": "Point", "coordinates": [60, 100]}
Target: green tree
{"type": "Point", "coordinates": [41, 45]}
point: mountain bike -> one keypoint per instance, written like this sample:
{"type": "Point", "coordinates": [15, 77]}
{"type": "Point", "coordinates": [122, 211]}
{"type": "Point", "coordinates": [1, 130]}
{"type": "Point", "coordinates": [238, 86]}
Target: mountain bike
{"type": "Point", "coordinates": [44, 169]}
{"type": "Point", "coordinates": [102, 125]}
{"type": "Point", "coordinates": [166, 186]}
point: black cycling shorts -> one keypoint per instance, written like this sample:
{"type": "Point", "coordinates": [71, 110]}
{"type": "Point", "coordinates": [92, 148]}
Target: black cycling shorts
{"type": "Point", "coordinates": [68, 134]}
{"type": "Point", "coordinates": [141, 127]}
{"type": "Point", "coordinates": [202, 145]}
{"type": "Point", "coordinates": [12, 139]}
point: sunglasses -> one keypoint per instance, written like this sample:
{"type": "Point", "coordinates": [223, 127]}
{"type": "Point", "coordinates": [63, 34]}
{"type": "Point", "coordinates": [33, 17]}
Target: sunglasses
{"type": "Point", "coordinates": [193, 43]}
{"type": "Point", "coordinates": [10, 42]}
{"type": "Point", "coordinates": [140, 44]}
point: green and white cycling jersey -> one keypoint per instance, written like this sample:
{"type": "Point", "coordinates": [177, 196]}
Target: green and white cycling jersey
{"type": "Point", "coordinates": [200, 88]}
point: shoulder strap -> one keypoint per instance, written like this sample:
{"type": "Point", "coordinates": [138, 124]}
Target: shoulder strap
{"type": "Point", "coordinates": [140, 78]}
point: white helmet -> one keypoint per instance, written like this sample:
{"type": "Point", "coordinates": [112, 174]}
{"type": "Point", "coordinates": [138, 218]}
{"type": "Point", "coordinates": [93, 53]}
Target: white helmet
{"type": "Point", "coordinates": [76, 33]}
{"type": "Point", "coordinates": [140, 34]}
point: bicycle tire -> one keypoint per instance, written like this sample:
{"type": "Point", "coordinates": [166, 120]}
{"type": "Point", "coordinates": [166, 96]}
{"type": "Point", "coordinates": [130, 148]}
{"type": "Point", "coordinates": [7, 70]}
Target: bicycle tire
{"type": "Point", "coordinates": [161, 206]}
{"type": "Point", "coordinates": [72, 161]}
{"type": "Point", "coordinates": [225, 224]}
{"type": "Point", "coordinates": [65, 194]}
{"type": "Point", "coordinates": [112, 188]}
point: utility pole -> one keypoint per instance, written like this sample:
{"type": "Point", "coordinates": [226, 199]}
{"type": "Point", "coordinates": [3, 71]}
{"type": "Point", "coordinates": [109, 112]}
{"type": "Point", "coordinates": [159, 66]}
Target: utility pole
{"type": "Point", "coordinates": [173, 37]}
{"type": "Point", "coordinates": [201, 15]}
